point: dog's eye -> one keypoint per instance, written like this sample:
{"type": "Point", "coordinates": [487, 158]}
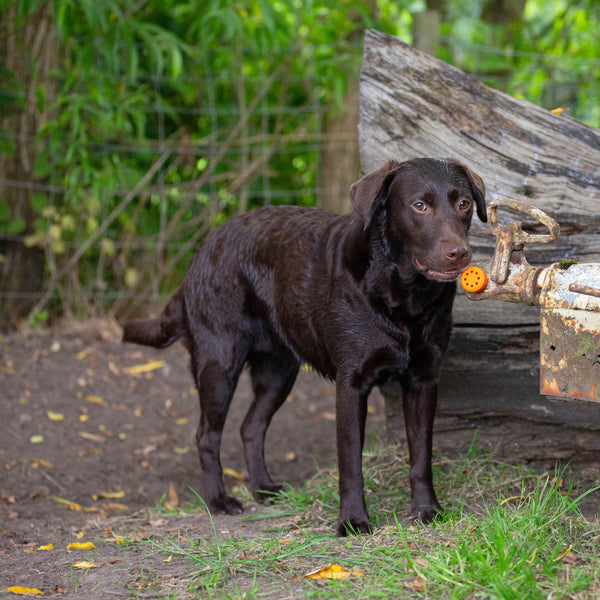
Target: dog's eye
{"type": "Point", "coordinates": [420, 206]}
{"type": "Point", "coordinates": [464, 205]}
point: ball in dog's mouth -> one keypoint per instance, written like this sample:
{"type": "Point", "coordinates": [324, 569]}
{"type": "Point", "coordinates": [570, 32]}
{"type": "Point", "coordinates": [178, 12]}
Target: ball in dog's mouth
{"type": "Point", "coordinates": [448, 275]}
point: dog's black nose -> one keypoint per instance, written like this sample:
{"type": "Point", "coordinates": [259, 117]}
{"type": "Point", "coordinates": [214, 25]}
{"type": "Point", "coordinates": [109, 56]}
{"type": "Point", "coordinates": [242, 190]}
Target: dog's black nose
{"type": "Point", "coordinates": [459, 255]}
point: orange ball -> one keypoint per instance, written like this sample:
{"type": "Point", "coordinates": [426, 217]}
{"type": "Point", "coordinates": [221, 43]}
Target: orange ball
{"type": "Point", "coordinates": [473, 279]}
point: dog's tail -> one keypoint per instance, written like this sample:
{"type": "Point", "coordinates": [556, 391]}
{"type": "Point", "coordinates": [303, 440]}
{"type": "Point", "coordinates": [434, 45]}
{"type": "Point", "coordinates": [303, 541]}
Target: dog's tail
{"type": "Point", "coordinates": [162, 331]}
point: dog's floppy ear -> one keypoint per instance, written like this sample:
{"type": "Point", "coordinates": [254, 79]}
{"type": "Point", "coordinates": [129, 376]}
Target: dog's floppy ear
{"type": "Point", "coordinates": [370, 192]}
{"type": "Point", "coordinates": [478, 189]}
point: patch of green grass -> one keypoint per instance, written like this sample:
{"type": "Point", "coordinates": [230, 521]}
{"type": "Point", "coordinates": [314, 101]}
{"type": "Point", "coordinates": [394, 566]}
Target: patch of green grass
{"type": "Point", "coordinates": [510, 533]}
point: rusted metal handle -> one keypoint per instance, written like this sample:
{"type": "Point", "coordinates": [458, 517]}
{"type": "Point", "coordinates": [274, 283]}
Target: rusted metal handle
{"type": "Point", "coordinates": [520, 236]}
{"type": "Point", "coordinates": [511, 237]}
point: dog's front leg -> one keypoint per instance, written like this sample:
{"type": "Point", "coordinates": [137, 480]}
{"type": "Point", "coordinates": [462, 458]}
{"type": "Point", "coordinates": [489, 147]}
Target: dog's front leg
{"type": "Point", "coordinates": [420, 402]}
{"type": "Point", "coordinates": [351, 414]}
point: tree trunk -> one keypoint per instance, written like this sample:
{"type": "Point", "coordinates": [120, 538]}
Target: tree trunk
{"type": "Point", "coordinates": [28, 50]}
{"type": "Point", "coordinates": [339, 164]}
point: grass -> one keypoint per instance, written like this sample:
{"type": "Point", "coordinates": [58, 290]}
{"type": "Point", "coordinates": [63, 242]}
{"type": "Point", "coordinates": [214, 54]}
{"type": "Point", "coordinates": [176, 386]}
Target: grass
{"type": "Point", "coordinates": [510, 533]}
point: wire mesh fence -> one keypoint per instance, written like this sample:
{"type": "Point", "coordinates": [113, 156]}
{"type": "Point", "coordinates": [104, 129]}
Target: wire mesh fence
{"type": "Point", "coordinates": [118, 214]}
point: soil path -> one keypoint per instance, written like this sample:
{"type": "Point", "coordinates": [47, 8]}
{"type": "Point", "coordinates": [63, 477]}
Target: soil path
{"type": "Point", "coordinates": [88, 435]}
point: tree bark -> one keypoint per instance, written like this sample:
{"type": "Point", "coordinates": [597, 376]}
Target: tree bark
{"type": "Point", "coordinates": [339, 164]}
{"type": "Point", "coordinates": [28, 51]}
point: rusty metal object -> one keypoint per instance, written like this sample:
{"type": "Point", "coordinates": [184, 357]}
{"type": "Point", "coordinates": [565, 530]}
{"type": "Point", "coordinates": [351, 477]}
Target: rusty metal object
{"type": "Point", "coordinates": [508, 258]}
{"type": "Point", "coordinates": [569, 298]}
{"type": "Point", "coordinates": [584, 289]}
{"type": "Point", "coordinates": [510, 238]}
{"type": "Point", "coordinates": [570, 332]}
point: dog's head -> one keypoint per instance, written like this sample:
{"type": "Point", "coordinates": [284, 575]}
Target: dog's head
{"type": "Point", "coordinates": [421, 210]}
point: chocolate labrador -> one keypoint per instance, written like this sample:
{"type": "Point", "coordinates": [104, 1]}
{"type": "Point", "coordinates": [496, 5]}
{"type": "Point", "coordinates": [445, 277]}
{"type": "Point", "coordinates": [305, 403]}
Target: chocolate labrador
{"type": "Point", "coordinates": [362, 297]}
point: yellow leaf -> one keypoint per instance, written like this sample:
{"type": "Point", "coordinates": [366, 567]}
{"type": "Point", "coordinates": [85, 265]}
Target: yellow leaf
{"type": "Point", "coordinates": [172, 496]}
{"type": "Point", "coordinates": [145, 368]}
{"type": "Point", "coordinates": [168, 560]}
{"type": "Point", "coordinates": [182, 421]}
{"type": "Point", "coordinates": [183, 450]}
{"type": "Point", "coordinates": [83, 354]}
{"type": "Point", "coordinates": [334, 572]}
{"type": "Point", "coordinates": [87, 564]}
{"type": "Point", "coordinates": [19, 590]}
{"type": "Point", "coordinates": [83, 418]}
{"type": "Point", "coordinates": [94, 399]}
{"type": "Point", "coordinates": [81, 546]}
{"type": "Point", "coordinates": [558, 111]}
{"type": "Point", "coordinates": [111, 495]}
{"type": "Point", "coordinates": [239, 476]}
{"type": "Point", "coordinates": [115, 506]}
{"type": "Point", "coordinates": [53, 416]}
{"type": "Point", "coordinates": [116, 538]}
{"type": "Point", "coordinates": [47, 547]}
{"type": "Point", "coordinates": [40, 462]}
{"type": "Point", "coordinates": [80, 535]}
{"type": "Point", "coordinates": [70, 505]}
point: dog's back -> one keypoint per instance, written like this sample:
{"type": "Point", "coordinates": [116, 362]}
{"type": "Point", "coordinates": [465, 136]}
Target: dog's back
{"type": "Point", "coordinates": [268, 264]}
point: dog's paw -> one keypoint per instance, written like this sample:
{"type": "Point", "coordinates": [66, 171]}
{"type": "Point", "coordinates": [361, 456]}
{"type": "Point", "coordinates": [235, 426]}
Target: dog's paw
{"type": "Point", "coordinates": [428, 514]}
{"type": "Point", "coordinates": [352, 527]}
{"type": "Point", "coordinates": [226, 505]}
{"type": "Point", "coordinates": [266, 492]}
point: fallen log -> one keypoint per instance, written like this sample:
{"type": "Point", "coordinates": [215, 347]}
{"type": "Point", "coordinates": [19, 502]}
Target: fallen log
{"type": "Point", "coordinates": [412, 104]}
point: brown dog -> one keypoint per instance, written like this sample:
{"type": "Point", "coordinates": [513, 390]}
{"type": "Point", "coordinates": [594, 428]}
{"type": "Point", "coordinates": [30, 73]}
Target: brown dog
{"type": "Point", "coordinates": [362, 297]}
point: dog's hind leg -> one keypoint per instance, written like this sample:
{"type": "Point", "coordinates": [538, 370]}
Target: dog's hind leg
{"type": "Point", "coordinates": [273, 376]}
{"type": "Point", "coordinates": [216, 385]}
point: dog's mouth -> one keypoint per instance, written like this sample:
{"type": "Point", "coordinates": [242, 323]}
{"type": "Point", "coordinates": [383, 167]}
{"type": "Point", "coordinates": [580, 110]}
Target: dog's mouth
{"type": "Point", "coordinates": [448, 275]}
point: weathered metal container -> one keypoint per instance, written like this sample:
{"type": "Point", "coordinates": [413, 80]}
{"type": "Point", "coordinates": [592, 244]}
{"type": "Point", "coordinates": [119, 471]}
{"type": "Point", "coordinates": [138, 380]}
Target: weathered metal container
{"type": "Point", "coordinates": [570, 332]}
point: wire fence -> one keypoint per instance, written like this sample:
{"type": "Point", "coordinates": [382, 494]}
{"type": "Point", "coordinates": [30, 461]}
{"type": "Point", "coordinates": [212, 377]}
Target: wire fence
{"type": "Point", "coordinates": [121, 234]}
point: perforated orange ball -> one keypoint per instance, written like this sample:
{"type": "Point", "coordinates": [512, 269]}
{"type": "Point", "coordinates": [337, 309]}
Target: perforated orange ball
{"type": "Point", "coordinates": [473, 279]}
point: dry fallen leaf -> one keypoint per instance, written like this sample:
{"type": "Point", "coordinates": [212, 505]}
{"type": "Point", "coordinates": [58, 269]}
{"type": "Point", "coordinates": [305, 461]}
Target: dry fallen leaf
{"type": "Point", "coordinates": [81, 546]}
{"type": "Point", "coordinates": [47, 547]}
{"type": "Point", "coordinates": [333, 571]}
{"type": "Point", "coordinates": [239, 476]}
{"type": "Point", "coordinates": [86, 564]}
{"type": "Point", "coordinates": [19, 590]}
{"type": "Point", "coordinates": [418, 585]}
{"type": "Point", "coordinates": [144, 368]}
{"type": "Point", "coordinates": [54, 416]}
{"type": "Point", "coordinates": [83, 354]}
{"type": "Point", "coordinates": [172, 498]}
{"type": "Point", "coordinates": [40, 462]}
{"type": "Point", "coordinates": [94, 399]}
{"type": "Point", "coordinates": [108, 495]}
{"type": "Point", "coordinates": [115, 506]}
{"type": "Point", "coordinates": [68, 503]}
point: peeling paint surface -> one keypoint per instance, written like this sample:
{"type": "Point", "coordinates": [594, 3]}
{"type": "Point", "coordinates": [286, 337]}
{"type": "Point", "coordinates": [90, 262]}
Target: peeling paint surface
{"type": "Point", "coordinates": [555, 291]}
{"type": "Point", "coordinates": [570, 353]}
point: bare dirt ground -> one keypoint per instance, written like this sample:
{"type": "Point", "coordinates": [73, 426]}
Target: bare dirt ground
{"type": "Point", "coordinates": [93, 430]}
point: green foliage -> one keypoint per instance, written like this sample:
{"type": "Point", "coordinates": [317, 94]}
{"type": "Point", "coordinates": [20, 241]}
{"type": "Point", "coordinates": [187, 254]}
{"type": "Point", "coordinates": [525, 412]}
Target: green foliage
{"type": "Point", "coordinates": [235, 93]}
